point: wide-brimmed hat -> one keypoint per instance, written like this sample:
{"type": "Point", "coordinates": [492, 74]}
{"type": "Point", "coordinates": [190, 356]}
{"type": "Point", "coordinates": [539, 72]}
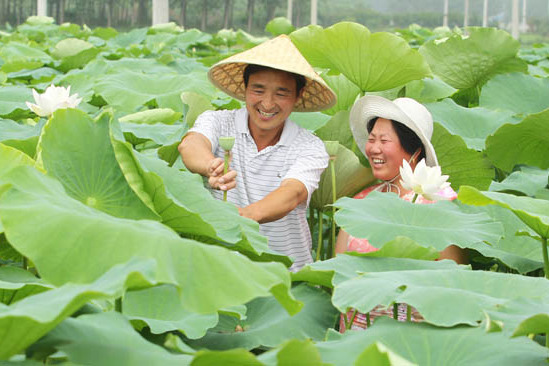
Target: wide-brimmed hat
{"type": "Point", "coordinates": [404, 110]}
{"type": "Point", "coordinates": [281, 54]}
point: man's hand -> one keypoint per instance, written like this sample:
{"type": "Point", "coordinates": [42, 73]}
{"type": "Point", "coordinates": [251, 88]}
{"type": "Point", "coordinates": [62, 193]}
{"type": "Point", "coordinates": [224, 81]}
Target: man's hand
{"type": "Point", "coordinates": [216, 178]}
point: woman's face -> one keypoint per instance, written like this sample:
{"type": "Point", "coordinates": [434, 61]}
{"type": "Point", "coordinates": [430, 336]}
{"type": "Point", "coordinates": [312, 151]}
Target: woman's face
{"type": "Point", "coordinates": [384, 150]}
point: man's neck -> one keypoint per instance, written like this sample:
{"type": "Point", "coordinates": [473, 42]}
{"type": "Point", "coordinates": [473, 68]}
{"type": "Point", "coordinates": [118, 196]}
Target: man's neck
{"type": "Point", "coordinates": [265, 138]}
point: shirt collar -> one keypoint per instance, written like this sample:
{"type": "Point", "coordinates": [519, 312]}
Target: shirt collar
{"type": "Point", "coordinates": [288, 133]}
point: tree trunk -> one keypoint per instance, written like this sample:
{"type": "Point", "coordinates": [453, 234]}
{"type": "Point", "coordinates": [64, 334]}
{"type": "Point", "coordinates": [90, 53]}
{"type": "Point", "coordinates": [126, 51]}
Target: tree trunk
{"type": "Point", "coordinates": [161, 12]}
{"type": "Point", "coordinates": [61, 19]}
{"type": "Point", "coordinates": [271, 9]}
{"type": "Point", "coordinates": [485, 14]}
{"type": "Point", "coordinates": [466, 14]}
{"type": "Point", "coordinates": [515, 20]}
{"type": "Point", "coordinates": [183, 13]}
{"type": "Point", "coordinates": [523, 24]}
{"type": "Point", "coordinates": [142, 14]}
{"type": "Point", "coordinates": [227, 13]}
{"type": "Point", "coordinates": [289, 10]}
{"type": "Point", "coordinates": [314, 12]}
{"type": "Point", "coordinates": [42, 7]}
{"type": "Point", "coordinates": [250, 14]}
{"type": "Point", "coordinates": [204, 21]}
{"type": "Point", "coordinates": [445, 14]}
{"type": "Point", "coordinates": [108, 10]}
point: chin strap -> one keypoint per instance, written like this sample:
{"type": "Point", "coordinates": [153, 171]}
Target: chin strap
{"type": "Point", "coordinates": [388, 185]}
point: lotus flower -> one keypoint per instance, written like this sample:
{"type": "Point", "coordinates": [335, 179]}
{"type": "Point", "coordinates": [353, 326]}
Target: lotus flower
{"type": "Point", "coordinates": [424, 180]}
{"type": "Point", "coordinates": [54, 98]}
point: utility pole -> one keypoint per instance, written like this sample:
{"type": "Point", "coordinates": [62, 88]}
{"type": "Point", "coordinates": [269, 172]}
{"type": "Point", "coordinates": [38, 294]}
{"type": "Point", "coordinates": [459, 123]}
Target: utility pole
{"type": "Point", "coordinates": [466, 14]}
{"type": "Point", "coordinates": [445, 14]}
{"type": "Point", "coordinates": [160, 12]}
{"type": "Point", "coordinates": [485, 14]}
{"type": "Point", "coordinates": [515, 19]}
{"type": "Point", "coordinates": [289, 10]}
{"type": "Point", "coordinates": [314, 12]}
{"type": "Point", "coordinates": [42, 8]}
{"type": "Point", "coordinates": [524, 24]}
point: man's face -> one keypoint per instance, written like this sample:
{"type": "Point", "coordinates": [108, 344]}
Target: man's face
{"type": "Point", "coordinates": [270, 98]}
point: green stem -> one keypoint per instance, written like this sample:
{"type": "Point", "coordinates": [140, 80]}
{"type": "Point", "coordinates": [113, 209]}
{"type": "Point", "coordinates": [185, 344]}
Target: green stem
{"type": "Point", "coordinates": [415, 198]}
{"type": "Point", "coordinates": [368, 319]}
{"type": "Point", "coordinates": [408, 313]}
{"type": "Point", "coordinates": [545, 257]}
{"type": "Point", "coordinates": [225, 170]}
{"type": "Point", "coordinates": [547, 339]}
{"type": "Point", "coordinates": [118, 305]}
{"type": "Point", "coordinates": [319, 245]}
{"type": "Point", "coordinates": [25, 263]}
{"type": "Point", "coordinates": [349, 323]}
{"type": "Point", "coordinates": [311, 219]}
{"type": "Point", "coordinates": [334, 198]}
{"type": "Point", "coordinates": [395, 310]}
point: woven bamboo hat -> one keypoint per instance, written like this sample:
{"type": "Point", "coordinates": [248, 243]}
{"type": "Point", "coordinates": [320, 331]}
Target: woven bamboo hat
{"type": "Point", "coordinates": [281, 54]}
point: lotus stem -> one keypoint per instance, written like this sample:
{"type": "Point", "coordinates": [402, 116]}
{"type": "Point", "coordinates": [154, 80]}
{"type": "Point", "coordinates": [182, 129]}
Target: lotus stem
{"type": "Point", "coordinates": [368, 319]}
{"type": "Point", "coordinates": [319, 245]}
{"type": "Point", "coordinates": [334, 198]}
{"type": "Point", "coordinates": [408, 313]}
{"type": "Point", "coordinates": [395, 310]}
{"type": "Point", "coordinates": [118, 304]}
{"type": "Point", "coordinates": [545, 257]}
{"type": "Point", "coordinates": [311, 219]}
{"type": "Point", "coordinates": [349, 322]}
{"type": "Point", "coordinates": [415, 198]}
{"type": "Point", "coordinates": [25, 263]}
{"type": "Point", "coordinates": [225, 170]}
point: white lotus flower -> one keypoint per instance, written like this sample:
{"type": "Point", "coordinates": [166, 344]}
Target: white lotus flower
{"type": "Point", "coordinates": [424, 180]}
{"type": "Point", "coordinates": [54, 98]}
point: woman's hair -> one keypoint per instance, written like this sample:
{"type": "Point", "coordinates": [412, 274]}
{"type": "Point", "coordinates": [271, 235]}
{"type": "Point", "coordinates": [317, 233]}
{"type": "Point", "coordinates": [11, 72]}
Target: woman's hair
{"type": "Point", "coordinates": [253, 68]}
{"type": "Point", "coordinates": [408, 139]}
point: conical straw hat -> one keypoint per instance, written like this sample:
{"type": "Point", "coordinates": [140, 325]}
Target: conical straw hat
{"type": "Point", "coordinates": [277, 53]}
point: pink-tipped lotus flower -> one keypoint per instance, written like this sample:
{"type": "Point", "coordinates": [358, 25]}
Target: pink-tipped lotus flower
{"type": "Point", "coordinates": [54, 98]}
{"type": "Point", "coordinates": [424, 180]}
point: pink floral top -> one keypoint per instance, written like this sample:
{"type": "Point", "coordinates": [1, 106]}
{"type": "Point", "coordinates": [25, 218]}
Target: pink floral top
{"type": "Point", "coordinates": [363, 245]}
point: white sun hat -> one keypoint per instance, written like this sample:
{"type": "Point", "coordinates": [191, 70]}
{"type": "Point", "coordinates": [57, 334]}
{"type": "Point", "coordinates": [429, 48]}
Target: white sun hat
{"type": "Point", "coordinates": [281, 54]}
{"type": "Point", "coordinates": [404, 110]}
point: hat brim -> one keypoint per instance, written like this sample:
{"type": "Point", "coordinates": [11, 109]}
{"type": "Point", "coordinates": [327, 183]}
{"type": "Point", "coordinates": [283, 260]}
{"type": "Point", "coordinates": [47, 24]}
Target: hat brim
{"type": "Point", "coordinates": [373, 106]}
{"type": "Point", "coordinates": [280, 54]}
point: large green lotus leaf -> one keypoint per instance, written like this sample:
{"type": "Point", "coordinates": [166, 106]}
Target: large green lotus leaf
{"type": "Point", "coordinates": [159, 133]}
{"type": "Point", "coordinates": [77, 151]}
{"type": "Point", "coordinates": [305, 38]}
{"type": "Point", "coordinates": [311, 121]}
{"type": "Point", "coordinates": [184, 205]}
{"type": "Point", "coordinates": [67, 231]}
{"type": "Point", "coordinates": [128, 90]}
{"type": "Point", "coordinates": [267, 324]}
{"type": "Point", "coordinates": [474, 125]}
{"type": "Point", "coordinates": [428, 345]}
{"type": "Point", "coordinates": [16, 284]}
{"type": "Point", "coordinates": [108, 339]}
{"type": "Point", "coordinates": [279, 25]}
{"type": "Point", "coordinates": [516, 92]}
{"type": "Point", "coordinates": [464, 295]}
{"type": "Point", "coordinates": [527, 180]}
{"type": "Point", "coordinates": [160, 308]}
{"type": "Point", "coordinates": [123, 40]}
{"type": "Point", "coordinates": [292, 352]}
{"type": "Point", "coordinates": [25, 321]}
{"type": "Point", "coordinates": [234, 357]}
{"type": "Point", "coordinates": [337, 129]}
{"type": "Point", "coordinates": [463, 165]}
{"type": "Point", "coordinates": [13, 98]}
{"type": "Point", "coordinates": [73, 53]}
{"type": "Point", "coordinates": [11, 158]}
{"type": "Point", "coordinates": [21, 137]}
{"type": "Point", "coordinates": [378, 354]}
{"type": "Point", "coordinates": [350, 175]}
{"type": "Point", "coordinates": [468, 62]}
{"type": "Point", "coordinates": [428, 90]}
{"type": "Point", "coordinates": [18, 56]}
{"type": "Point", "coordinates": [521, 317]}
{"type": "Point", "coordinates": [381, 217]}
{"type": "Point", "coordinates": [197, 104]}
{"type": "Point", "coordinates": [346, 92]}
{"type": "Point", "coordinates": [519, 252]}
{"type": "Point", "coordinates": [349, 265]}
{"type": "Point", "coordinates": [43, 74]}
{"type": "Point", "coordinates": [524, 143]}
{"type": "Point", "coordinates": [152, 116]}
{"type": "Point", "coordinates": [374, 62]}
{"type": "Point", "coordinates": [533, 212]}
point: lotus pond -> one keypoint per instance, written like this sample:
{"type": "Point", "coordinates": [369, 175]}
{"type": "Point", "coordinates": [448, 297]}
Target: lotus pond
{"type": "Point", "coordinates": [111, 253]}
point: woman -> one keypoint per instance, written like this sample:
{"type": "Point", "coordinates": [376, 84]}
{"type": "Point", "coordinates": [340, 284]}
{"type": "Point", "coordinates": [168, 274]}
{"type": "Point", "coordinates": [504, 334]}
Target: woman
{"type": "Point", "coordinates": [388, 132]}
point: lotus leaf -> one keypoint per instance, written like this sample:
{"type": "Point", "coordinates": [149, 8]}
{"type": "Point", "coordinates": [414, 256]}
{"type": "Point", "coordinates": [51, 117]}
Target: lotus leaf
{"type": "Point", "coordinates": [279, 25]}
{"type": "Point", "coordinates": [292, 352]}
{"type": "Point", "coordinates": [527, 180]}
{"type": "Point", "coordinates": [67, 231]}
{"type": "Point", "coordinates": [150, 116]}
{"type": "Point", "coordinates": [474, 125]}
{"type": "Point", "coordinates": [18, 56]}
{"type": "Point", "coordinates": [16, 284]}
{"type": "Point", "coordinates": [470, 61]}
{"type": "Point", "coordinates": [428, 90]}
{"type": "Point", "coordinates": [348, 48]}
{"type": "Point", "coordinates": [523, 143]}
{"type": "Point", "coordinates": [25, 321]}
{"type": "Point", "coordinates": [346, 92]}
{"type": "Point", "coordinates": [196, 104]}
{"type": "Point", "coordinates": [311, 121]}
{"type": "Point", "coordinates": [13, 98]}
{"type": "Point", "coordinates": [381, 217]}
{"type": "Point", "coordinates": [234, 357]}
{"type": "Point", "coordinates": [516, 92]}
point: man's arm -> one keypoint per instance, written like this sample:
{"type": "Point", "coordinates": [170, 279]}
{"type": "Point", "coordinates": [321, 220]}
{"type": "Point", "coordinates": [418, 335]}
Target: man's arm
{"type": "Point", "coordinates": [278, 203]}
{"type": "Point", "coordinates": [196, 152]}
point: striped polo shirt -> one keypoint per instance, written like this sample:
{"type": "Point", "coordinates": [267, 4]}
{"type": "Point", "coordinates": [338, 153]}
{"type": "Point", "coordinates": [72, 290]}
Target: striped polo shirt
{"type": "Point", "coordinates": [298, 154]}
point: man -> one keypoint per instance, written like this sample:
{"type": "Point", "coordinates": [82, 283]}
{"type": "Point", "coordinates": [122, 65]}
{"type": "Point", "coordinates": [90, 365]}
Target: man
{"type": "Point", "coordinates": [276, 165]}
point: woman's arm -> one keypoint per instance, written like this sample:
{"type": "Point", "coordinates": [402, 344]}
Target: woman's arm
{"type": "Point", "coordinates": [341, 242]}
